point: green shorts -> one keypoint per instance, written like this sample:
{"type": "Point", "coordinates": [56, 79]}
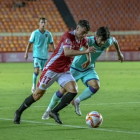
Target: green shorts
{"type": "Point", "coordinates": [39, 63]}
{"type": "Point", "coordinates": [85, 76]}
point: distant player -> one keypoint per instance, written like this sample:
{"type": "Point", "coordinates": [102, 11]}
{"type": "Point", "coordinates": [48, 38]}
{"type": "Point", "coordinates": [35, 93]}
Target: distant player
{"type": "Point", "coordinates": [57, 69]}
{"type": "Point", "coordinates": [40, 38]}
{"type": "Point", "coordinates": [88, 75]}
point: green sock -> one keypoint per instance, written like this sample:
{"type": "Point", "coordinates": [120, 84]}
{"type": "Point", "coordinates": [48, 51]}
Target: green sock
{"type": "Point", "coordinates": [86, 94]}
{"type": "Point", "coordinates": [54, 101]}
{"type": "Point", "coordinates": [34, 78]}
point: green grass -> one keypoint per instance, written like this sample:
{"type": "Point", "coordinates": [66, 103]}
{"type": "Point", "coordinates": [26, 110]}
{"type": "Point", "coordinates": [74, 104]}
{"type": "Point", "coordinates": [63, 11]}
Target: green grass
{"type": "Point", "coordinates": [118, 101]}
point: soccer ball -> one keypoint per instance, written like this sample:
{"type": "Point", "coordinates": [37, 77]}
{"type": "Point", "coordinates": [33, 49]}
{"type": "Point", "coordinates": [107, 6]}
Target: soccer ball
{"type": "Point", "coordinates": [94, 119]}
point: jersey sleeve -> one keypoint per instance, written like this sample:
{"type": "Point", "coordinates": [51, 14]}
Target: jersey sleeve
{"type": "Point", "coordinates": [91, 41]}
{"type": "Point", "coordinates": [32, 37]}
{"type": "Point", "coordinates": [111, 40]}
{"type": "Point", "coordinates": [67, 42]}
{"type": "Point", "coordinates": [50, 39]}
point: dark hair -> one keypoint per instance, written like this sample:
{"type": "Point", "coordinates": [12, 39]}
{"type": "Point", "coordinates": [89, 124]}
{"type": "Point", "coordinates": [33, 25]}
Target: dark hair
{"type": "Point", "coordinates": [42, 18]}
{"type": "Point", "coordinates": [104, 32]}
{"type": "Point", "coordinates": [84, 23]}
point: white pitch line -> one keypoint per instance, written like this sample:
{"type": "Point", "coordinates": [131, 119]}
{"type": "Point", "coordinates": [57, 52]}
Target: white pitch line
{"type": "Point", "coordinates": [113, 103]}
{"type": "Point", "coordinates": [73, 126]}
{"type": "Point", "coordinates": [103, 104]}
{"type": "Point", "coordinates": [82, 104]}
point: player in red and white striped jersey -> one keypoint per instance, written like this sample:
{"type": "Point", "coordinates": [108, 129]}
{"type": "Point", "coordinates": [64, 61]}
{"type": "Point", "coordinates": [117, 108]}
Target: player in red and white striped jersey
{"type": "Point", "coordinates": [57, 69]}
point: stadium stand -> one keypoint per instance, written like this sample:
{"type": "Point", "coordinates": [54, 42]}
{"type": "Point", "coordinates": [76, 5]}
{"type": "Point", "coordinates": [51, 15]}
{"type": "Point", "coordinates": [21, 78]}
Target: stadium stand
{"type": "Point", "coordinates": [15, 18]}
{"type": "Point", "coordinates": [118, 15]}
{"type": "Point", "coordinates": [24, 19]}
{"type": "Point", "coordinates": [18, 43]}
{"type": "Point", "coordinates": [21, 16]}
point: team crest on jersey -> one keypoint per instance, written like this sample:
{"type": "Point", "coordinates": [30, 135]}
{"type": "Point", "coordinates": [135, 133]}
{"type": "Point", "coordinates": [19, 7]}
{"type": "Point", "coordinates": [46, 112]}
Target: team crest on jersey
{"type": "Point", "coordinates": [43, 85]}
{"type": "Point", "coordinates": [68, 41]}
{"type": "Point", "coordinates": [46, 35]}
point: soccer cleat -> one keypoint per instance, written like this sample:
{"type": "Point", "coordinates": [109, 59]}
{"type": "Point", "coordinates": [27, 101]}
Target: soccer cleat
{"type": "Point", "coordinates": [46, 115]}
{"type": "Point", "coordinates": [77, 107]}
{"type": "Point", "coordinates": [55, 116]}
{"type": "Point", "coordinates": [17, 118]}
{"type": "Point", "coordinates": [33, 89]}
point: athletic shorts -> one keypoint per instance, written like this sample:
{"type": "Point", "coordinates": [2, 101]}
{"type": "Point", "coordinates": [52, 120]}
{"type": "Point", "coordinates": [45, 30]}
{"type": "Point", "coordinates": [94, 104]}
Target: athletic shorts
{"type": "Point", "coordinates": [48, 77]}
{"type": "Point", "coordinates": [85, 76]}
{"type": "Point", "coordinates": [39, 63]}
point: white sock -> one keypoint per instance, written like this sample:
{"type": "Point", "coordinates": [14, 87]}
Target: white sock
{"type": "Point", "coordinates": [48, 109]}
{"type": "Point", "coordinates": [78, 100]}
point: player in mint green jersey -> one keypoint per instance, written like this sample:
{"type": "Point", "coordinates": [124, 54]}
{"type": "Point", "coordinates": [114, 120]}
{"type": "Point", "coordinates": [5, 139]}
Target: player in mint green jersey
{"type": "Point", "coordinates": [40, 38]}
{"type": "Point", "coordinates": [88, 75]}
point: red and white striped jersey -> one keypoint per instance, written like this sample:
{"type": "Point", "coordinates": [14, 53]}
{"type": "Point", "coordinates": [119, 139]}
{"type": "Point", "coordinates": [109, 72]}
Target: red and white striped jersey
{"type": "Point", "coordinates": [58, 62]}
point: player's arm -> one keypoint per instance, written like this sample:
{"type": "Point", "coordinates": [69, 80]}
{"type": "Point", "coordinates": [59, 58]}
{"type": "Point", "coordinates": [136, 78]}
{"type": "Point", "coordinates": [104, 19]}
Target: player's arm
{"type": "Point", "coordinates": [116, 45]}
{"type": "Point", "coordinates": [88, 55]}
{"type": "Point", "coordinates": [31, 41]}
{"type": "Point", "coordinates": [70, 52]}
{"type": "Point", "coordinates": [51, 41]}
{"type": "Point", "coordinates": [53, 46]}
{"type": "Point", "coordinates": [27, 49]}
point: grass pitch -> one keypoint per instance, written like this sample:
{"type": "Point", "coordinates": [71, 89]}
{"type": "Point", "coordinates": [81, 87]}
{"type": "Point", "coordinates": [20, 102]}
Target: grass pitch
{"type": "Point", "coordinates": [118, 101]}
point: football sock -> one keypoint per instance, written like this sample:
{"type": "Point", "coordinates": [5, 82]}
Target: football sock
{"type": "Point", "coordinates": [55, 99]}
{"type": "Point", "coordinates": [35, 78]}
{"type": "Point", "coordinates": [88, 92]}
{"type": "Point", "coordinates": [64, 101]}
{"type": "Point", "coordinates": [27, 102]}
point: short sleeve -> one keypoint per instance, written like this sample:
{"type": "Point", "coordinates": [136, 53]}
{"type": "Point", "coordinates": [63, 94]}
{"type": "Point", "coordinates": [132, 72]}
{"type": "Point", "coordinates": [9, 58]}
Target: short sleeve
{"type": "Point", "coordinates": [91, 41]}
{"type": "Point", "coordinates": [111, 40]}
{"type": "Point", "coordinates": [67, 43]}
{"type": "Point", "coordinates": [32, 37]}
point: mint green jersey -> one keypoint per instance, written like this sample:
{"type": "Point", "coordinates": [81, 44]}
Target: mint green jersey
{"type": "Point", "coordinates": [41, 43]}
{"type": "Point", "coordinates": [79, 60]}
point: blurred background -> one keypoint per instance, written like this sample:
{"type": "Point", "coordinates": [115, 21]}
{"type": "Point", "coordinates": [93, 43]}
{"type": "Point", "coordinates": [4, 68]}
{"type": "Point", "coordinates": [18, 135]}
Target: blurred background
{"type": "Point", "coordinates": [18, 18]}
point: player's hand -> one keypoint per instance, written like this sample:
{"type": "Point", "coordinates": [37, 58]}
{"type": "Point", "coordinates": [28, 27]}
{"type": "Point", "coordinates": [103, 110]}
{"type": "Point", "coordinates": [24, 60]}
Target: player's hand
{"type": "Point", "coordinates": [91, 50]}
{"type": "Point", "coordinates": [121, 57]}
{"type": "Point", "coordinates": [85, 65]}
{"type": "Point", "coordinates": [26, 56]}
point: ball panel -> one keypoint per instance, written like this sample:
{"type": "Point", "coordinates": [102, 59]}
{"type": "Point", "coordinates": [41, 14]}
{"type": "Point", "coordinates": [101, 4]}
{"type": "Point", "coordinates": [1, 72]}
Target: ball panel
{"type": "Point", "coordinates": [94, 119]}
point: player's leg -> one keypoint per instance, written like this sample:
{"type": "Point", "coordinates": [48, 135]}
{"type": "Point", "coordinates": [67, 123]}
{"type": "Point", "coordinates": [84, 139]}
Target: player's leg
{"type": "Point", "coordinates": [47, 78]}
{"type": "Point", "coordinates": [35, 74]}
{"type": "Point", "coordinates": [91, 80]}
{"type": "Point", "coordinates": [54, 101]}
{"type": "Point", "coordinates": [67, 81]}
{"type": "Point", "coordinates": [59, 94]}
{"type": "Point", "coordinates": [93, 87]}
{"type": "Point", "coordinates": [27, 102]}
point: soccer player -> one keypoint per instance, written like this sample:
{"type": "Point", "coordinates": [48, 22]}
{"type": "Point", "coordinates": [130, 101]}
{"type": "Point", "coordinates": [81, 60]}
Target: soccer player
{"type": "Point", "coordinates": [88, 75]}
{"type": "Point", "coordinates": [57, 69]}
{"type": "Point", "coordinates": [40, 38]}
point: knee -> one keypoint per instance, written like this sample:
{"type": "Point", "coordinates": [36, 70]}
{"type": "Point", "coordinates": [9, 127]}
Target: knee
{"type": "Point", "coordinates": [97, 87]}
{"type": "Point", "coordinates": [93, 89]}
{"type": "Point", "coordinates": [37, 96]}
{"type": "Point", "coordinates": [36, 72]}
{"type": "Point", "coordinates": [62, 90]}
{"type": "Point", "coordinates": [73, 89]}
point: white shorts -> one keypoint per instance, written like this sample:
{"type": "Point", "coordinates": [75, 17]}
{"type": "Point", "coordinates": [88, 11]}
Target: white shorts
{"type": "Point", "coordinates": [48, 77]}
